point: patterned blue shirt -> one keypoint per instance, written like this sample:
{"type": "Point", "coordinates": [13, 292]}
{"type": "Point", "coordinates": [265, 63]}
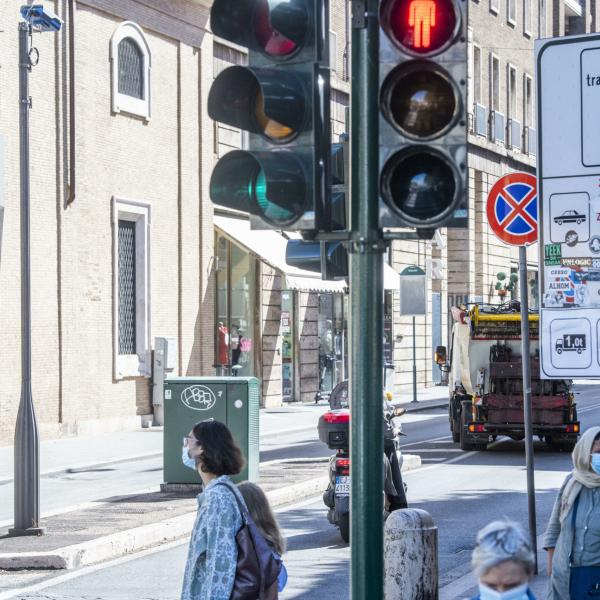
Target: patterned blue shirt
{"type": "Point", "coordinates": [212, 555]}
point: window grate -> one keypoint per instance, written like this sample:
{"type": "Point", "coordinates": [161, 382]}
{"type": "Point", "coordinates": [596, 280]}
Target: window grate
{"type": "Point", "coordinates": [131, 69]}
{"type": "Point", "coordinates": [126, 265]}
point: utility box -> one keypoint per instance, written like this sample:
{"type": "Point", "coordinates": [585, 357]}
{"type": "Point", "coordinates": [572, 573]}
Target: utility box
{"type": "Point", "coordinates": [165, 362]}
{"type": "Point", "coordinates": [231, 400]}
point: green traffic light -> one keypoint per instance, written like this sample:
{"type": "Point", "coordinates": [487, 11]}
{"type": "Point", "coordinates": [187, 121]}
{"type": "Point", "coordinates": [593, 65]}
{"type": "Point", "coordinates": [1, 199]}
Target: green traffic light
{"type": "Point", "coordinates": [267, 184]}
{"type": "Point", "coordinates": [257, 189]}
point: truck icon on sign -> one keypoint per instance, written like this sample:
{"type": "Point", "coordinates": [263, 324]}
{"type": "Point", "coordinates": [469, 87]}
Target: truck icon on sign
{"type": "Point", "coordinates": [570, 342]}
{"type": "Point", "coordinates": [570, 216]}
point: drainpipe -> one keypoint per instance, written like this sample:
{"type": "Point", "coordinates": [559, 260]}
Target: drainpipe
{"type": "Point", "coordinates": [71, 29]}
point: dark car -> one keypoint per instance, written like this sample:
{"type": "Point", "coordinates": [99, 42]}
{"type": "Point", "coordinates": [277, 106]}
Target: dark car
{"type": "Point", "coordinates": [570, 216]}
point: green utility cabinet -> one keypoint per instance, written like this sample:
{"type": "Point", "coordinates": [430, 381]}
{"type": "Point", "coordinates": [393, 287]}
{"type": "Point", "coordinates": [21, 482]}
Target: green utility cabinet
{"type": "Point", "coordinates": [231, 400]}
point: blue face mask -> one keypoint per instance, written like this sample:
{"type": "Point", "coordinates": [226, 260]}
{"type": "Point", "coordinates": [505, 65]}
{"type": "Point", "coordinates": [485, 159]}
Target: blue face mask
{"type": "Point", "coordinates": [596, 463]}
{"type": "Point", "coordinates": [186, 459]}
{"type": "Point", "coordinates": [516, 593]}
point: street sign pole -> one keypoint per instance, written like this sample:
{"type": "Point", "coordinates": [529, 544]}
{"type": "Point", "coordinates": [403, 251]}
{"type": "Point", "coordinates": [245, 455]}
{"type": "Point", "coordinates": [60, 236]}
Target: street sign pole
{"type": "Point", "coordinates": [366, 298]}
{"type": "Point", "coordinates": [525, 353]}
{"type": "Point", "coordinates": [512, 215]}
{"type": "Point", "coordinates": [414, 358]}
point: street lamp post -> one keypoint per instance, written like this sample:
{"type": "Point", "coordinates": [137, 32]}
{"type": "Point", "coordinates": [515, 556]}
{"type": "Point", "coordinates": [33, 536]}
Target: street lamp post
{"type": "Point", "coordinates": [27, 450]}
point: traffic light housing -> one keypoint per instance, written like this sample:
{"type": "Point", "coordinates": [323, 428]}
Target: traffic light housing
{"type": "Point", "coordinates": [330, 258]}
{"type": "Point", "coordinates": [423, 114]}
{"type": "Point", "coordinates": [282, 100]}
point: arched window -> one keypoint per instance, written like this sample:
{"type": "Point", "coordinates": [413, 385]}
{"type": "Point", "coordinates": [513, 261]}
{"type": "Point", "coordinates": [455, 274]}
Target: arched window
{"type": "Point", "coordinates": [130, 64]}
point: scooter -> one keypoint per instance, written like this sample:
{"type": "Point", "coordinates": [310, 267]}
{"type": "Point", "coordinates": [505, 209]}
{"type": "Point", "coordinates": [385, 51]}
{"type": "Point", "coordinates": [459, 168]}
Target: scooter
{"type": "Point", "coordinates": [334, 431]}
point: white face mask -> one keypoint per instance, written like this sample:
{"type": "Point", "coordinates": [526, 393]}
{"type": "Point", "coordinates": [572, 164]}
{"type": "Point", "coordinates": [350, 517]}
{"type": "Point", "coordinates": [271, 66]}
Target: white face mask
{"type": "Point", "coordinates": [516, 593]}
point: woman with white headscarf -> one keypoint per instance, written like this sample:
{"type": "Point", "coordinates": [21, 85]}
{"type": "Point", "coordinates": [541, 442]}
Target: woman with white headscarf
{"type": "Point", "coordinates": [572, 537]}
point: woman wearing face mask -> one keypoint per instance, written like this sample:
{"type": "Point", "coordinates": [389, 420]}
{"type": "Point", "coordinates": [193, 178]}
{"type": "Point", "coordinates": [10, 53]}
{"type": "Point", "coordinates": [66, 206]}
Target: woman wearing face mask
{"type": "Point", "coordinates": [212, 555]}
{"type": "Point", "coordinates": [572, 537]}
{"type": "Point", "coordinates": [503, 561]}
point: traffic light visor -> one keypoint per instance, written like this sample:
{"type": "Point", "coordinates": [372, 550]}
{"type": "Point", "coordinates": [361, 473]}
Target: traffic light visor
{"type": "Point", "coordinates": [420, 100]}
{"type": "Point", "coordinates": [276, 28]}
{"type": "Point", "coordinates": [263, 101]}
{"type": "Point", "coordinates": [420, 185]}
{"type": "Point", "coordinates": [420, 27]}
{"type": "Point", "coordinates": [271, 185]}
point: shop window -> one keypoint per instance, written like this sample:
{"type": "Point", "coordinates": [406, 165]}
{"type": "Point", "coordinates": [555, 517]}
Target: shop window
{"type": "Point", "coordinates": [332, 329]}
{"type": "Point", "coordinates": [130, 67]}
{"type": "Point", "coordinates": [235, 307]}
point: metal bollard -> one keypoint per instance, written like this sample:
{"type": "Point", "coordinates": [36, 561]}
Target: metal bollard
{"type": "Point", "coordinates": [410, 556]}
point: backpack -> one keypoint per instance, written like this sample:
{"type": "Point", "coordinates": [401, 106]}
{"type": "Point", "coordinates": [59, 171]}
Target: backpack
{"type": "Point", "coordinates": [257, 567]}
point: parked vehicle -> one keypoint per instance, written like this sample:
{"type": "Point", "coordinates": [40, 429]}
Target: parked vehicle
{"type": "Point", "coordinates": [334, 428]}
{"type": "Point", "coordinates": [485, 381]}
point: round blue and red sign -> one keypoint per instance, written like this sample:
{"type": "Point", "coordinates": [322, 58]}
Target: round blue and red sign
{"type": "Point", "coordinates": [512, 209]}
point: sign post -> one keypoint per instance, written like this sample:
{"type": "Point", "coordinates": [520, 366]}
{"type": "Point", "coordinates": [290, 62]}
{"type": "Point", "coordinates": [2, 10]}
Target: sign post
{"type": "Point", "coordinates": [512, 215]}
{"type": "Point", "coordinates": [413, 301]}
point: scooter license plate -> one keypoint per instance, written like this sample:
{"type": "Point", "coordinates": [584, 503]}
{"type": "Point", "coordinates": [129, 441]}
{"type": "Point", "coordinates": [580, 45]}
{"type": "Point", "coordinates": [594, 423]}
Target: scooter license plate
{"type": "Point", "coordinates": [342, 485]}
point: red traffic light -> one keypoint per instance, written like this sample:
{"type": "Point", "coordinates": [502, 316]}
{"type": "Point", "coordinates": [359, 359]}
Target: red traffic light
{"type": "Point", "coordinates": [420, 27]}
{"type": "Point", "coordinates": [271, 41]}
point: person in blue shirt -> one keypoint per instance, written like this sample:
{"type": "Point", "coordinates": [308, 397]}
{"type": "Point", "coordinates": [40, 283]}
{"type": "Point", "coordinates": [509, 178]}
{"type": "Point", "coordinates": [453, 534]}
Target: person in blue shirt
{"type": "Point", "coordinates": [503, 562]}
{"type": "Point", "coordinates": [263, 517]}
{"type": "Point", "coordinates": [212, 556]}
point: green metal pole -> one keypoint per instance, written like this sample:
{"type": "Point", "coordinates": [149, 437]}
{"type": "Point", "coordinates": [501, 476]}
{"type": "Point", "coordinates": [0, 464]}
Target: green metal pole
{"type": "Point", "coordinates": [366, 297]}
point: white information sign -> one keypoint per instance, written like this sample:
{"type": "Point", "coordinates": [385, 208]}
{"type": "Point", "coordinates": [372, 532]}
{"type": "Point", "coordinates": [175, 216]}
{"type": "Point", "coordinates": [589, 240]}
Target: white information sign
{"type": "Point", "coordinates": [568, 108]}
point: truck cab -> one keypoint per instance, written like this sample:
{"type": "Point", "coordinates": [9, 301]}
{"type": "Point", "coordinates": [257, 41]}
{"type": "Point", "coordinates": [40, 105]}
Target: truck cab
{"type": "Point", "coordinates": [486, 386]}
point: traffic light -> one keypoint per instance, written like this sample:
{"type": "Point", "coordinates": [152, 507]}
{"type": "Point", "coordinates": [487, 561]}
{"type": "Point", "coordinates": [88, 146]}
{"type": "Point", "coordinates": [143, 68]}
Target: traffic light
{"type": "Point", "coordinates": [282, 100]}
{"type": "Point", "coordinates": [423, 114]}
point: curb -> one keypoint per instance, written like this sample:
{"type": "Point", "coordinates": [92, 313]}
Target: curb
{"type": "Point", "coordinates": [421, 406]}
{"type": "Point", "coordinates": [132, 540]}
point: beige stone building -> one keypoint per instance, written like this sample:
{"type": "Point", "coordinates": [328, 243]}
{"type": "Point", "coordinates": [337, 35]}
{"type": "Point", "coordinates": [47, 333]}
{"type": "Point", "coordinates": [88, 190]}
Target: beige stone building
{"type": "Point", "coordinates": [126, 245]}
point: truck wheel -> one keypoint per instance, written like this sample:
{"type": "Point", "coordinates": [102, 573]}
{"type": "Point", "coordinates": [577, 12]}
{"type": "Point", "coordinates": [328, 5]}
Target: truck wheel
{"type": "Point", "coordinates": [464, 443]}
{"type": "Point", "coordinates": [558, 351]}
{"type": "Point", "coordinates": [568, 446]}
{"type": "Point", "coordinates": [344, 525]}
{"type": "Point", "coordinates": [455, 433]}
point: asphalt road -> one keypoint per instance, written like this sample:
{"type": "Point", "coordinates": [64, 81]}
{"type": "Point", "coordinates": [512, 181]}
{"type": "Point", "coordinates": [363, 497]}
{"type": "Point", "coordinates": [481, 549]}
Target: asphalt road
{"type": "Point", "coordinates": [462, 491]}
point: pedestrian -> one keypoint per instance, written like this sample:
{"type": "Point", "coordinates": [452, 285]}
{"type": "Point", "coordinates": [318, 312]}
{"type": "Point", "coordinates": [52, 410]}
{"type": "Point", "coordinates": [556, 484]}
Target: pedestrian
{"type": "Point", "coordinates": [212, 556]}
{"type": "Point", "coordinates": [572, 537]}
{"type": "Point", "coordinates": [263, 517]}
{"type": "Point", "coordinates": [503, 562]}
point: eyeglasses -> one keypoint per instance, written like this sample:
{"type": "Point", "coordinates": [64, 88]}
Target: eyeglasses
{"type": "Point", "coordinates": [189, 440]}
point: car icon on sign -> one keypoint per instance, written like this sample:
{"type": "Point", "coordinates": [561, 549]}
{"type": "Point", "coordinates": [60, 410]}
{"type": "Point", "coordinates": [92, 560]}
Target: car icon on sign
{"type": "Point", "coordinates": [570, 216]}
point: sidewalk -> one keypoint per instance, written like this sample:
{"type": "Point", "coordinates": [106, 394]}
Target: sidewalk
{"type": "Point", "coordinates": [79, 453]}
{"type": "Point", "coordinates": [121, 525]}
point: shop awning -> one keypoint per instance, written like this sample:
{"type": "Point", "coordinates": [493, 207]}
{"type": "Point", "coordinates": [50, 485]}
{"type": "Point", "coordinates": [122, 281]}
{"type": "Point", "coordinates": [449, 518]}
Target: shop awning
{"type": "Point", "coordinates": [270, 246]}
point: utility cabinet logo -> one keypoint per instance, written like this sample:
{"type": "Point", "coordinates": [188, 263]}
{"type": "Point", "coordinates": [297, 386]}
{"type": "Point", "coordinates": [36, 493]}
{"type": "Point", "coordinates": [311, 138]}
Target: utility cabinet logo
{"type": "Point", "coordinates": [198, 397]}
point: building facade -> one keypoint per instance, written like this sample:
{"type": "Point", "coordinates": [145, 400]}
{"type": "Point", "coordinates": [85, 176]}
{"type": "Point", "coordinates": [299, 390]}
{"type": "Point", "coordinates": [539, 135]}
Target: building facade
{"type": "Point", "coordinates": [127, 246]}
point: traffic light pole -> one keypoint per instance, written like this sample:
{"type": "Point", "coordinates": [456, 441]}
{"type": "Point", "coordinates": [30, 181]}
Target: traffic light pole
{"type": "Point", "coordinates": [366, 297]}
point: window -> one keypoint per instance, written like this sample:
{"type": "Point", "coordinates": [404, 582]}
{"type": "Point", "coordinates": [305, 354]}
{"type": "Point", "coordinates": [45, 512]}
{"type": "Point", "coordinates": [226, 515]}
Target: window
{"type": "Point", "coordinates": [512, 93]}
{"type": "Point", "coordinates": [131, 288]}
{"type": "Point", "coordinates": [333, 50]}
{"type": "Point", "coordinates": [511, 11]}
{"type": "Point", "coordinates": [527, 17]}
{"type": "Point", "coordinates": [477, 74]}
{"type": "Point", "coordinates": [528, 101]}
{"type": "Point", "coordinates": [494, 83]}
{"type": "Point", "coordinates": [130, 68]}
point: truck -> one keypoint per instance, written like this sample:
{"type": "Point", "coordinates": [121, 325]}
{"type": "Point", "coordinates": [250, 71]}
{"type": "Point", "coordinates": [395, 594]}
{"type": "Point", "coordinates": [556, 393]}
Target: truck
{"type": "Point", "coordinates": [485, 381]}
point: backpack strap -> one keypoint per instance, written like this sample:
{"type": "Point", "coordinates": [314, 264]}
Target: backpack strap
{"type": "Point", "coordinates": [241, 505]}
